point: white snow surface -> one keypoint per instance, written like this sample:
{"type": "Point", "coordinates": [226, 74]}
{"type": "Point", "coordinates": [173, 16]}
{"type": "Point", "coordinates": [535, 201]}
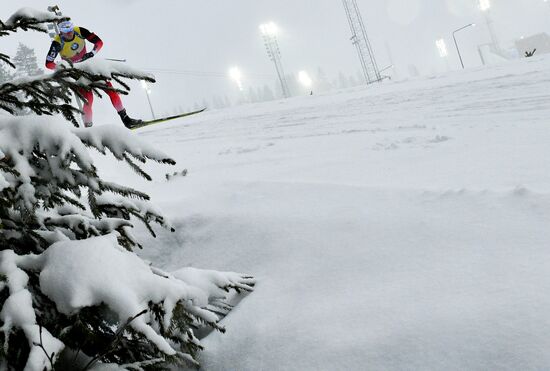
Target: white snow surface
{"type": "Point", "coordinates": [397, 226]}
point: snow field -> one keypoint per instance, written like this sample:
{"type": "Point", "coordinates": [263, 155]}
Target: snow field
{"type": "Point", "coordinates": [400, 226]}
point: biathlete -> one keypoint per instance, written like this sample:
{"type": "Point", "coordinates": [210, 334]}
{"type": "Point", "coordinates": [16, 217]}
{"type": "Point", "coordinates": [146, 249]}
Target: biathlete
{"type": "Point", "coordinates": [71, 45]}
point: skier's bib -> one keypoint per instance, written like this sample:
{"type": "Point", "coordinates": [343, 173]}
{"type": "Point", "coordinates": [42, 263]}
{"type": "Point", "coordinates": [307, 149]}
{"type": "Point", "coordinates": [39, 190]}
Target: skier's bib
{"type": "Point", "coordinates": [72, 50]}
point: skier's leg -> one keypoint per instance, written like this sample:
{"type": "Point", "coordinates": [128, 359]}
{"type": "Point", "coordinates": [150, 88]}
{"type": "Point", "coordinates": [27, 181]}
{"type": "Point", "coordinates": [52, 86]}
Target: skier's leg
{"type": "Point", "coordinates": [117, 103]}
{"type": "Point", "coordinates": [88, 111]}
{"type": "Point", "coordinates": [115, 98]}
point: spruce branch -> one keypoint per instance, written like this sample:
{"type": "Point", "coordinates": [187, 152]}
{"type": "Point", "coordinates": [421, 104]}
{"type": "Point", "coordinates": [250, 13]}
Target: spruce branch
{"type": "Point", "coordinates": [136, 168]}
{"type": "Point", "coordinates": [123, 191]}
{"type": "Point", "coordinates": [41, 346]}
{"type": "Point", "coordinates": [116, 339]}
{"type": "Point", "coordinates": [6, 59]}
{"type": "Point", "coordinates": [20, 21]}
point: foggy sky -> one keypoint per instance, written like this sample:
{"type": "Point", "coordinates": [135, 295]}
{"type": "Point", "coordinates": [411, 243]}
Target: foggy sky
{"type": "Point", "coordinates": [213, 35]}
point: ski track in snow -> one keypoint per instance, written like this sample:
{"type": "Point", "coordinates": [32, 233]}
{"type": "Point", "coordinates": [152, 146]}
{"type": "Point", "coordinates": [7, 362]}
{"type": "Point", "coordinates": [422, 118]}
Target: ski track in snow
{"type": "Point", "coordinates": [399, 226]}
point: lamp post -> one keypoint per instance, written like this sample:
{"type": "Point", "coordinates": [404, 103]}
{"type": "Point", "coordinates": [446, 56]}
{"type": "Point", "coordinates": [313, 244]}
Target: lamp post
{"type": "Point", "coordinates": [148, 92]}
{"type": "Point", "coordinates": [456, 43]}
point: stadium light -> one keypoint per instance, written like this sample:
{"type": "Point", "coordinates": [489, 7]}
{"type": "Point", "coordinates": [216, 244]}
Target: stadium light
{"type": "Point", "coordinates": [147, 89]}
{"type": "Point", "coordinates": [305, 80]}
{"type": "Point", "coordinates": [484, 5]}
{"type": "Point", "coordinates": [442, 47]}
{"type": "Point", "coordinates": [456, 43]}
{"type": "Point", "coordinates": [236, 75]}
{"type": "Point", "coordinates": [443, 52]}
{"type": "Point", "coordinates": [269, 29]}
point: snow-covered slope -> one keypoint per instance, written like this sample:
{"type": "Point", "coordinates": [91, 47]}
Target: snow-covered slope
{"type": "Point", "coordinates": [398, 226]}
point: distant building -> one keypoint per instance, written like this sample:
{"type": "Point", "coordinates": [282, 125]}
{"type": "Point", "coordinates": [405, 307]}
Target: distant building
{"type": "Point", "coordinates": [540, 42]}
{"type": "Point", "coordinates": [490, 56]}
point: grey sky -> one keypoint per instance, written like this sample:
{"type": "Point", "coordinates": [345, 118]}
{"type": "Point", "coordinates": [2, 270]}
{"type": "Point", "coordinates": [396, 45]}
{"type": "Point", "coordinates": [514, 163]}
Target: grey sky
{"type": "Point", "coordinates": [212, 35]}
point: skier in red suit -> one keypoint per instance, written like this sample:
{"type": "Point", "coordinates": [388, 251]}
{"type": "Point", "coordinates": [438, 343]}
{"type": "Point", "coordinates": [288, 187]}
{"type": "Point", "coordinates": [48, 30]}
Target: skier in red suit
{"type": "Point", "coordinates": [71, 45]}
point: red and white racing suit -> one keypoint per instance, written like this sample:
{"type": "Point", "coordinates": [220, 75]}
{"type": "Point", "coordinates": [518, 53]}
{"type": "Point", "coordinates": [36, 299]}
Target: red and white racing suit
{"type": "Point", "coordinates": [74, 50]}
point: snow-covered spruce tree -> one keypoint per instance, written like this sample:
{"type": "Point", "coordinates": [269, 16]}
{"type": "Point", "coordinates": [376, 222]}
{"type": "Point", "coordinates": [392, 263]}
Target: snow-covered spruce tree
{"type": "Point", "coordinates": [25, 62]}
{"type": "Point", "coordinates": [25, 66]}
{"type": "Point", "coordinates": [73, 295]}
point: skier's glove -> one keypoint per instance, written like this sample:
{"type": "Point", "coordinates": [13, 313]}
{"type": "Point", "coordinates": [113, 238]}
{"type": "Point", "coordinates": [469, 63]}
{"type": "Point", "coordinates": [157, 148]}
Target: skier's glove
{"type": "Point", "coordinates": [87, 56]}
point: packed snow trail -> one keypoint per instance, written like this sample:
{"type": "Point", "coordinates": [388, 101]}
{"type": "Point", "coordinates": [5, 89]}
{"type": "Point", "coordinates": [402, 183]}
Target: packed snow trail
{"type": "Point", "coordinates": [397, 226]}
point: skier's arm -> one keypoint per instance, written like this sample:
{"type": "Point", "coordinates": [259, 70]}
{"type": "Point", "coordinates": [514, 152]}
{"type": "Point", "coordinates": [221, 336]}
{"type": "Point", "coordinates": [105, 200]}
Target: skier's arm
{"type": "Point", "coordinates": [93, 38]}
{"type": "Point", "coordinates": [55, 48]}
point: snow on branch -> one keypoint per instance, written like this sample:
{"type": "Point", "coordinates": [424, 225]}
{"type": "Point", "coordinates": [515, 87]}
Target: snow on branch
{"type": "Point", "coordinates": [44, 165]}
{"type": "Point", "coordinates": [110, 69]}
{"type": "Point", "coordinates": [26, 19]}
{"type": "Point", "coordinates": [42, 95]}
{"type": "Point", "coordinates": [120, 142]}
{"type": "Point", "coordinates": [73, 274]}
{"type": "Point", "coordinates": [112, 204]}
{"type": "Point", "coordinates": [20, 137]}
{"type": "Point", "coordinates": [18, 312]}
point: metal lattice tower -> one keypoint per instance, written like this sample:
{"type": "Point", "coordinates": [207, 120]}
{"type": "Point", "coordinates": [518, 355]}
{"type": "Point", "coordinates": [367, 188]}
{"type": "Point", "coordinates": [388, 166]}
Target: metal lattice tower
{"type": "Point", "coordinates": [361, 41]}
{"type": "Point", "coordinates": [269, 33]}
{"type": "Point", "coordinates": [494, 39]}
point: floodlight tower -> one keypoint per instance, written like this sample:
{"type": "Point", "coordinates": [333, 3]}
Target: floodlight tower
{"type": "Point", "coordinates": [361, 41]}
{"type": "Point", "coordinates": [269, 33]}
{"type": "Point", "coordinates": [485, 7]}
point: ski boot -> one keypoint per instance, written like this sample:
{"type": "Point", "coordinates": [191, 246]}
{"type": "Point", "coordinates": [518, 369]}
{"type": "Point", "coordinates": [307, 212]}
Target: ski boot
{"type": "Point", "coordinates": [128, 121]}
